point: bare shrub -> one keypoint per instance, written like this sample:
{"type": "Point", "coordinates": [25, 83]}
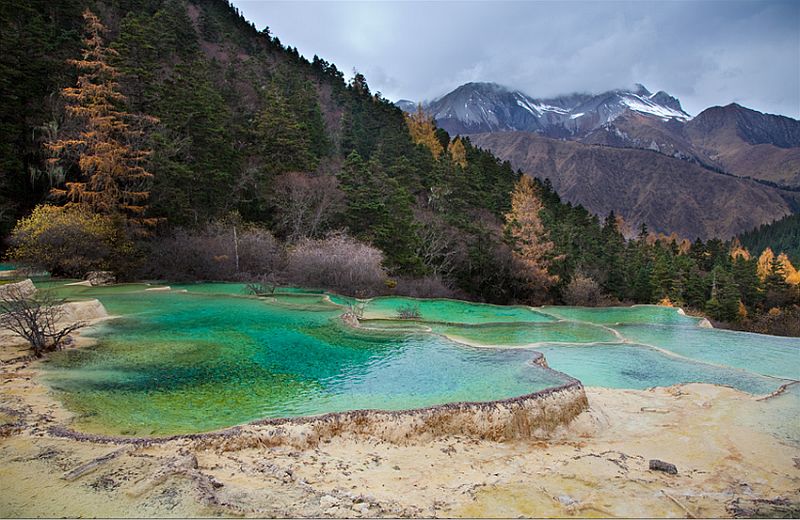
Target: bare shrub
{"type": "Point", "coordinates": [36, 318]}
{"type": "Point", "coordinates": [409, 312]}
{"type": "Point", "coordinates": [304, 204]}
{"type": "Point", "coordinates": [357, 308]}
{"type": "Point", "coordinates": [337, 262]}
{"type": "Point", "coordinates": [185, 254]}
{"type": "Point", "coordinates": [426, 287]}
{"type": "Point", "coordinates": [259, 252]}
{"type": "Point", "coordinates": [582, 290]}
{"type": "Point", "coordinates": [220, 251]}
{"type": "Point", "coordinates": [263, 285]}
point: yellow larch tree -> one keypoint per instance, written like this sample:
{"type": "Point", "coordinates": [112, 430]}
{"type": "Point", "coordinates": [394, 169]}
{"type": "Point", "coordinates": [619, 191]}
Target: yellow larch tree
{"type": "Point", "coordinates": [738, 250]}
{"type": "Point", "coordinates": [423, 131]}
{"type": "Point", "coordinates": [112, 178]}
{"type": "Point", "coordinates": [457, 152]}
{"type": "Point", "coordinates": [527, 234]}
{"type": "Point", "coordinates": [764, 263]}
{"type": "Point", "coordinates": [792, 276]}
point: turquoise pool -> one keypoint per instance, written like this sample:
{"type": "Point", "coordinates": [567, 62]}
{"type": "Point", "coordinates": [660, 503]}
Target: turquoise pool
{"type": "Point", "coordinates": [204, 356]}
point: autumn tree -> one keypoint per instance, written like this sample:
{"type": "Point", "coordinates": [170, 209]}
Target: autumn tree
{"type": "Point", "coordinates": [423, 131]}
{"type": "Point", "coordinates": [112, 178]}
{"type": "Point", "coordinates": [792, 275]}
{"type": "Point", "coordinates": [458, 154]}
{"type": "Point", "coordinates": [527, 235]}
{"type": "Point", "coordinates": [765, 263]}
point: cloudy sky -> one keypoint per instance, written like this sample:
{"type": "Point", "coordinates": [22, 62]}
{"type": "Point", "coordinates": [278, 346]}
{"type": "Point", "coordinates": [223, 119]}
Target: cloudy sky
{"type": "Point", "coordinates": [704, 52]}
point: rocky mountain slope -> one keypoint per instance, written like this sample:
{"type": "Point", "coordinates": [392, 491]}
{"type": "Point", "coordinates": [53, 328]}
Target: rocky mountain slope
{"type": "Point", "coordinates": [643, 186]}
{"type": "Point", "coordinates": [748, 143]}
{"type": "Point", "coordinates": [488, 107]}
{"type": "Point", "coordinates": [731, 139]}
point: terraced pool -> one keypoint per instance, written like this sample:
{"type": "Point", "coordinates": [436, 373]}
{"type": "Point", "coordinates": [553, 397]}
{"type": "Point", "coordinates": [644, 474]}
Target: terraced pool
{"type": "Point", "coordinates": [205, 356]}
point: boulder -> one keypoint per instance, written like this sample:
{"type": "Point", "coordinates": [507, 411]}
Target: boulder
{"type": "Point", "coordinates": [666, 467]}
{"type": "Point", "coordinates": [101, 278]}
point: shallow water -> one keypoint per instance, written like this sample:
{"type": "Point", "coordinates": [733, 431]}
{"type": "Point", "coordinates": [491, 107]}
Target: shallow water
{"type": "Point", "coordinates": [771, 355]}
{"type": "Point", "coordinates": [205, 356]}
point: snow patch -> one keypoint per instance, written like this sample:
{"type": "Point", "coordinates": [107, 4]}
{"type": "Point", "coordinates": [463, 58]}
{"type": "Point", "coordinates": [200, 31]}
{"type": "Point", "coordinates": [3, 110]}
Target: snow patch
{"type": "Point", "coordinates": [645, 106]}
{"type": "Point", "coordinates": [550, 108]}
{"type": "Point", "coordinates": [527, 106]}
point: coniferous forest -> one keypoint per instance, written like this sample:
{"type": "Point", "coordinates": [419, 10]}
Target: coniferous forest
{"type": "Point", "coordinates": [173, 139]}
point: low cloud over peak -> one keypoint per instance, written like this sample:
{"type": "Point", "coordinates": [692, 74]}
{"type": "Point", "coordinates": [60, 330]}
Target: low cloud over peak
{"type": "Point", "coordinates": [705, 53]}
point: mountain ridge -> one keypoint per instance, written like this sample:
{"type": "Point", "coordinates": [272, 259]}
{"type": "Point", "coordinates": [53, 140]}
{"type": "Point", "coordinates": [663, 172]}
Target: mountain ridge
{"type": "Point", "coordinates": [491, 107]}
{"type": "Point", "coordinates": [643, 186]}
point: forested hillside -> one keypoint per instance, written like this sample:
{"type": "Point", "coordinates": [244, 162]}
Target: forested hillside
{"type": "Point", "coordinates": [781, 235]}
{"type": "Point", "coordinates": [236, 111]}
{"type": "Point", "coordinates": [172, 139]}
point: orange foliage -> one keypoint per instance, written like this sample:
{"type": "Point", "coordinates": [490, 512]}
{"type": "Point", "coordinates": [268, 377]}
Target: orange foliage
{"type": "Point", "coordinates": [524, 227]}
{"type": "Point", "coordinates": [791, 275]}
{"type": "Point", "coordinates": [764, 263]}
{"type": "Point", "coordinates": [458, 154]}
{"type": "Point", "coordinates": [113, 178]}
{"type": "Point", "coordinates": [739, 251]}
{"type": "Point", "coordinates": [742, 311]}
{"type": "Point", "coordinates": [423, 131]}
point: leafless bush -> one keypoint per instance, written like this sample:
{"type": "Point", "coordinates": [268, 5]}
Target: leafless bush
{"type": "Point", "coordinates": [426, 287]}
{"type": "Point", "coordinates": [219, 251]}
{"type": "Point", "coordinates": [304, 204]}
{"type": "Point", "coordinates": [357, 309]}
{"type": "Point", "coordinates": [263, 285]}
{"type": "Point", "coordinates": [259, 252]}
{"type": "Point", "coordinates": [582, 290]}
{"type": "Point", "coordinates": [337, 262]}
{"type": "Point", "coordinates": [409, 312]}
{"type": "Point", "coordinates": [36, 318]}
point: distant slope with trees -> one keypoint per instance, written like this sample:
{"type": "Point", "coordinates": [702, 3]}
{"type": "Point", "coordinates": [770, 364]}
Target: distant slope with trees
{"type": "Point", "coordinates": [172, 139]}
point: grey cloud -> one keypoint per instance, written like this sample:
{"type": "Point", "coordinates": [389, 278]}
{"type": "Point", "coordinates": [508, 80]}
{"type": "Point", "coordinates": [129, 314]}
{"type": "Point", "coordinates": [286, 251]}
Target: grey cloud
{"type": "Point", "coordinates": [704, 52]}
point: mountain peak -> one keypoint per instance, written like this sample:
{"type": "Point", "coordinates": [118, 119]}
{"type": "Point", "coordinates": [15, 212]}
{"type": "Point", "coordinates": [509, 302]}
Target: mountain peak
{"type": "Point", "coordinates": [640, 90]}
{"type": "Point", "coordinates": [489, 107]}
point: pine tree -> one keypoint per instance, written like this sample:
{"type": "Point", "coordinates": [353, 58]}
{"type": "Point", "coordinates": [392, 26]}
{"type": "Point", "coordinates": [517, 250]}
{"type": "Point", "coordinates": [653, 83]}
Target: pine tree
{"type": "Point", "coordinates": [745, 273]}
{"type": "Point", "coordinates": [724, 302]}
{"type": "Point", "coordinates": [112, 178]}
{"type": "Point", "coordinates": [663, 278]}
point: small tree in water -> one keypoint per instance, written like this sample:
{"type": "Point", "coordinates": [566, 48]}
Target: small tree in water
{"type": "Point", "coordinates": [409, 312]}
{"type": "Point", "coordinates": [35, 318]}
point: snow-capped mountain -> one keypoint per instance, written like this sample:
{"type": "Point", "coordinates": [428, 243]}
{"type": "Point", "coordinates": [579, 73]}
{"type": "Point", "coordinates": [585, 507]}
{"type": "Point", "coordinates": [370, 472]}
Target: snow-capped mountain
{"type": "Point", "coordinates": [489, 107]}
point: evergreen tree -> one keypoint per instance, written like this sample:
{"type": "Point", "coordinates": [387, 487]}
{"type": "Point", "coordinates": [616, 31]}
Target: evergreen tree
{"type": "Point", "coordinates": [724, 302]}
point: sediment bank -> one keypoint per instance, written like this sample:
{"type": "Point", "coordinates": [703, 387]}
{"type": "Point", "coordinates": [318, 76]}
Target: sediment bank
{"type": "Point", "coordinates": [597, 464]}
{"type": "Point", "coordinates": [566, 451]}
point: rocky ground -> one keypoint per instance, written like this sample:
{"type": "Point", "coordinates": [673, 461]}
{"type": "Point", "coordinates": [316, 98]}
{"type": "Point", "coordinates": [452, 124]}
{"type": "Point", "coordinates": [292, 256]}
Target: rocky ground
{"type": "Point", "coordinates": [731, 451]}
